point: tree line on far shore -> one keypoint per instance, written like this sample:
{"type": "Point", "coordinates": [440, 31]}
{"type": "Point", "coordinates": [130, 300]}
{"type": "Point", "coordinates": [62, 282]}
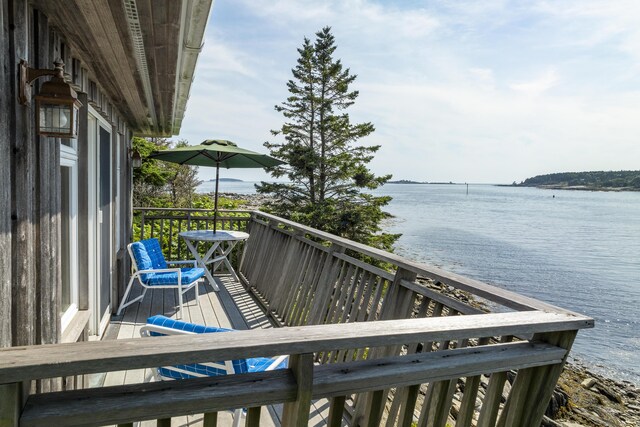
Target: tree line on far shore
{"type": "Point", "coordinates": [597, 179]}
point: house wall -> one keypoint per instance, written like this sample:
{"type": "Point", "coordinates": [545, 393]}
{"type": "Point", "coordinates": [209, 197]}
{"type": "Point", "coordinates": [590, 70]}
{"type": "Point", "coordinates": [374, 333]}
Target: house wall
{"type": "Point", "coordinates": [30, 186]}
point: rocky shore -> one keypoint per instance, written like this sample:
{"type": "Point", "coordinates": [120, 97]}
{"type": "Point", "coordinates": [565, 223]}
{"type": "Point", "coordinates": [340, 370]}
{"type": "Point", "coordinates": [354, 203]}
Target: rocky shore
{"type": "Point", "coordinates": [582, 397]}
{"type": "Point", "coordinates": [247, 201]}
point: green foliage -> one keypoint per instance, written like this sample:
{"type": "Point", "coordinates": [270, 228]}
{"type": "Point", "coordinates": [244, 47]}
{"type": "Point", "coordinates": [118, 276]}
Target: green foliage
{"type": "Point", "coordinates": [599, 179]}
{"type": "Point", "coordinates": [326, 169]}
{"type": "Point", "coordinates": [162, 184]}
{"type": "Point", "coordinates": [165, 226]}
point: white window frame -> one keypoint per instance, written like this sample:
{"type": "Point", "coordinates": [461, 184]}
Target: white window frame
{"type": "Point", "coordinates": [99, 321]}
{"type": "Point", "coordinates": [69, 159]}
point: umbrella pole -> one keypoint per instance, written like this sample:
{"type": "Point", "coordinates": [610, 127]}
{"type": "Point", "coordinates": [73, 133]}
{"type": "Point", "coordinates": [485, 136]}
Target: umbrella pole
{"type": "Point", "coordinates": [215, 212]}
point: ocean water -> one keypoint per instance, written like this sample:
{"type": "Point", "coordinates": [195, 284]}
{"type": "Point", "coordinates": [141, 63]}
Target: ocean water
{"type": "Point", "coordinates": [239, 187]}
{"type": "Point", "coordinates": [579, 250]}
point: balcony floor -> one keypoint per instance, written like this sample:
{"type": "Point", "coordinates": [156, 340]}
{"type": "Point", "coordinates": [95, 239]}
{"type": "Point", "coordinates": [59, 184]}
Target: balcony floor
{"type": "Point", "coordinates": [231, 307]}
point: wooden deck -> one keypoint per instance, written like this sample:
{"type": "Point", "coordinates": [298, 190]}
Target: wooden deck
{"type": "Point", "coordinates": [231, 307]}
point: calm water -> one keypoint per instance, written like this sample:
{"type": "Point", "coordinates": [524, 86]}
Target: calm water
{"type": "Point", "coordinates": [579, 250]}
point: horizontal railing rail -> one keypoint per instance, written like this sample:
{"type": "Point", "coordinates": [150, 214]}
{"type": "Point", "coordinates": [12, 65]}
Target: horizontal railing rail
{"type": "Point", "coordinates": [297, 385]}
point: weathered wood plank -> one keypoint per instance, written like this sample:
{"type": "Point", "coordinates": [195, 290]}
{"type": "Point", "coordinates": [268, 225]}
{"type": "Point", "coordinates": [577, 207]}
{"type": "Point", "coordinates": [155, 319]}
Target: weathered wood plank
{"type": "Point", "coordinates": [363, 265]}
{"type": "Point", "coordinates": [163, 400]}
{"type": "Point", "coordinates": [441, 298]}
{"type": "Point", "coordinates": [253, 416]}
{"type": "Point", "coordinates": [297, 413]}
{"type": "Point", "coordinates": [397, 304]}
{"type": "Point", "coordinates": [23, 184]}
{"type": "Point", "coordinates": [335, 411]}
{"type": "Point", "coordinates": [18, 363]}
{"type": "Point", "coordinates": [7, 103]}
{"type": "Point", "coordinates": [326, 283]}
{"type": "Point", "coordinates": [48, 282]}
{"type": "Point", "coordinates": [355, 377]}
{"type": "Point", "coordinates": [532, 388]}
{"type": "Point", "coordinates": [12, 402]}
{"type": "Point", "coordinates": [122, 404]}
{"type": "Point", "coordinates": [376, 408]}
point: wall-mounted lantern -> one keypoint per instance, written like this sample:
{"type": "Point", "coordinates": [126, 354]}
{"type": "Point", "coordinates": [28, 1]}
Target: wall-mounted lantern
{"type": "Point", "coordinates": [57, 103]}
{"type": "Point", "coordinates": [136, 159]}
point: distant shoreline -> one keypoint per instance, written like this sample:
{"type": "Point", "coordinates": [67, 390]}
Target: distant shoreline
{"type": "Point", "coordinates": [572, 187]}
{"type": "Point", "coordinates": [225, 180]}
{"type": "Point", "coordinates": [585, 181]}
{"type": "Point", "coordinates": [406, 181]}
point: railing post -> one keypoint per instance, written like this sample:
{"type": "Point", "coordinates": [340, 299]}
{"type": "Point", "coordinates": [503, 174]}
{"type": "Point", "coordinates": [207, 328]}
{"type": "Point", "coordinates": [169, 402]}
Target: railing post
{"type": "Point", "coordinates": [12, 400]}
{"type": "Point", "coordinates": [297, 413]}
{"type": "Point", "coordinates": [336, 410]}
{"type": "Point", "coordinates": [143, 213]}
{"type": "Point", "coordinates": [533, 387]}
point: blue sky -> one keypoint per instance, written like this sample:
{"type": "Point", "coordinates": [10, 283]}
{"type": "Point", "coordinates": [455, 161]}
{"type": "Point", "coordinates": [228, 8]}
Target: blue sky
{"type": "Point", "coordinates": [466, 91]}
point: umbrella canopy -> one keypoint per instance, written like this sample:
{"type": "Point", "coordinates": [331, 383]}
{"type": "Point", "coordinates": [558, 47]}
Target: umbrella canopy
{"type": "Point", "coordinates": [216, 153]}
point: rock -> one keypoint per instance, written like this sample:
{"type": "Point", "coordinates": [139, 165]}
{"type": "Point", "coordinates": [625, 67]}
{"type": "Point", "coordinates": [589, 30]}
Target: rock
{"type": "Point", "coordinates": [606, 391]}
{"type": "Point", "coordinates": [634, 408]}
{"type": "Point", "coordinates": [571, 424]}
{"type": "Point", "coordinates": [548, 422]}
{"type": "Point", "coordinates": [559, 400]}
{"type": "Point", "coordinates": [588, 383]}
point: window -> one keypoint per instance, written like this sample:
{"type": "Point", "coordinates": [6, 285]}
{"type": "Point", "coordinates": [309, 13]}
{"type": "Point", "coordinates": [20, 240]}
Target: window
{"type": "Point", "coordinates": [69, 233]}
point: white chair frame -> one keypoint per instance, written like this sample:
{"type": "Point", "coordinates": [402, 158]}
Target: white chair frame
{"type": "Point", "coordinates": [182, 288]}
{"type": "Point", "coordinates": [146, 330]}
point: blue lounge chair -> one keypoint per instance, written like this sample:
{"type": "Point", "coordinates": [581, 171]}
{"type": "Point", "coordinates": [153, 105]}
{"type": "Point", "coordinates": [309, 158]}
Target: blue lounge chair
{"type": "Point", "coordinates": [151, 270]}
{"type": "Point", "coordinates": [161, 325]}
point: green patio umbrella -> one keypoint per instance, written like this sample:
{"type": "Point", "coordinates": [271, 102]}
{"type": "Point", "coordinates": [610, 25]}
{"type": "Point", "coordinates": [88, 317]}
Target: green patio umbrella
{"type": "Point", "coordinates": [218, 153]}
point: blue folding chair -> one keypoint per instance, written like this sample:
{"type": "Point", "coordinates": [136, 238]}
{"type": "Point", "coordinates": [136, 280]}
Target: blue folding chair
{"type": "Point", "coordinates": [162, 325]}
{"type": "Point", "coordinates": [151, 270]}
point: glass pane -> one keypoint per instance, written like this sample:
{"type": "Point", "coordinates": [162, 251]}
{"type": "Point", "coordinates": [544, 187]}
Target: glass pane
{"type": "Point", "coordinates": [55, 118]}
{"type": "Point", "coordinates": [65, 235]}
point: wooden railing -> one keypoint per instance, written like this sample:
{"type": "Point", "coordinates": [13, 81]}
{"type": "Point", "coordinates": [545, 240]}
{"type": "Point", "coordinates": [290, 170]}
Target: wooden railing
{"type": "Point", "coordinates": [307, 277]}
{"type": "Point", "coordinates": [537, 362]}
{"type": "Point", "coordinates": [165, 224]}
{"type": "Point", "coordinates": [381, 345]}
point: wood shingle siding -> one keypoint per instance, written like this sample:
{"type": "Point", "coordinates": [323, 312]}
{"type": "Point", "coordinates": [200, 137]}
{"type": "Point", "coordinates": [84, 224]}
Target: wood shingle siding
{"type": "Point", "coordinates": [6, 148]}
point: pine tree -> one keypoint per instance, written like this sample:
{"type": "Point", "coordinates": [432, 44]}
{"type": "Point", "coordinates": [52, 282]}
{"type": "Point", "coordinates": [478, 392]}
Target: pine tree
{"type": "Point", "coordinates": [326, 168]}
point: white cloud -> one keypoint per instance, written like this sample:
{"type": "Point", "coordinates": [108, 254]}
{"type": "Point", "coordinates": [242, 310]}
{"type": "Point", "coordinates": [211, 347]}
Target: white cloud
{"type": "Point", "coordinates": [537, 85]}
{"type": "Point", "coordinates": [216, 56]}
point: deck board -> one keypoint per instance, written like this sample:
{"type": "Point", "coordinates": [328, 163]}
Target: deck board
{"type": "Point", "coordinates": [231, 307]}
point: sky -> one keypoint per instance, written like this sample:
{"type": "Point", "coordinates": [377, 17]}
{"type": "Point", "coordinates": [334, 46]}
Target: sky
{"type": "Point", "coordinates": [490, 91]}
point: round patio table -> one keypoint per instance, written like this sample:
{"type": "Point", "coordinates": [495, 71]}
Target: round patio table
{"type": "Point", "coordinates": [221, 244]}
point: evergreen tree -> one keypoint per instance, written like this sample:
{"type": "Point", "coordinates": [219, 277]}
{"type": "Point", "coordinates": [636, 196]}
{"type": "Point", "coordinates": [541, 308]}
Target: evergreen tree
{"type": "Point", "coordinates": [327, 170]}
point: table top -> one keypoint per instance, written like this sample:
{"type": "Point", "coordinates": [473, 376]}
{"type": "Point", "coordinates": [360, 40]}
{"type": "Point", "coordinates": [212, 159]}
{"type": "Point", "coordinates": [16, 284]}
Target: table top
{"type": "Point", "coordinates": [210, 236]}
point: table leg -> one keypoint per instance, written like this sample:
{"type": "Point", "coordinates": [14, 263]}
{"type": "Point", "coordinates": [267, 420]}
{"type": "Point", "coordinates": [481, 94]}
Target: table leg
{"type": "Point", "coordinates": [222, 258]}
{"type": "Point", "coordinates": [202, 263]}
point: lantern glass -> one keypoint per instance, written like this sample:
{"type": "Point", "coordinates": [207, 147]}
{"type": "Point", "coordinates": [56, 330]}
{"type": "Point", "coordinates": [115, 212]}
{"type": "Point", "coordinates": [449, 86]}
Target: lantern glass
{"type": "Point", "coordinates": [59, 119]}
